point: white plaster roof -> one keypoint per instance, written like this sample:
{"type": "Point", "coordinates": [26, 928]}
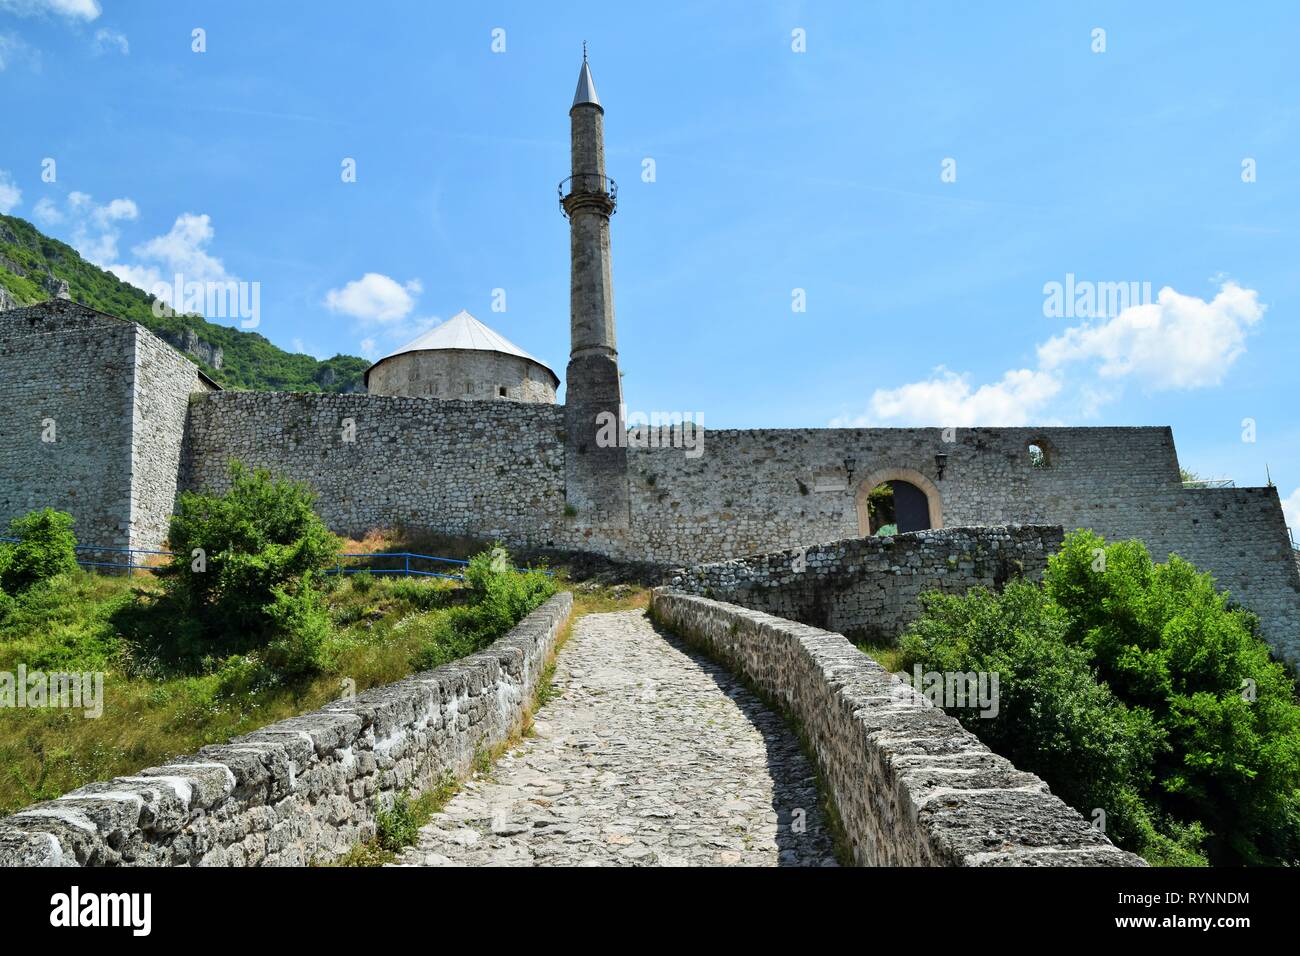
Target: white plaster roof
{"type": "Point", "coordinates": [463, 331]}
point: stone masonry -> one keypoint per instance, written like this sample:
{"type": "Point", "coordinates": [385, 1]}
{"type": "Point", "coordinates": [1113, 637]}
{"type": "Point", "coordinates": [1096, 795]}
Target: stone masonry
{"type": "Point", "coordinates": [651, 755]}
{"type": "Point", "coordinates": [497, 470]}
{"type": "Point", "coordinates": [910, 785]}
{"type": "Point", "coordinates": [304, 789]}
{"type": "Point", "coordinates": [92, 413]}
{"type": "Point", "coordinates": [462, 374]}
{"type": "Point", "coordinates": [870, 588]}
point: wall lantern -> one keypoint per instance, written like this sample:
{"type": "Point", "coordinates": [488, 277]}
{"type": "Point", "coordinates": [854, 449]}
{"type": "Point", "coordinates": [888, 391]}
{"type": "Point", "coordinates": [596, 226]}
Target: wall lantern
{"type": "Point", "coordinates": [849, 464]}
{"type": "Point", "coordinates": [941, 462]}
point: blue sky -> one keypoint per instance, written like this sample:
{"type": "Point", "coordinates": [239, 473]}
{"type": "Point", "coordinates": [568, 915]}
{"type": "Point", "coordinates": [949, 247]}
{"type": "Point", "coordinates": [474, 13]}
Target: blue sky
{"type": "Point", "coordinates": [774, 170]}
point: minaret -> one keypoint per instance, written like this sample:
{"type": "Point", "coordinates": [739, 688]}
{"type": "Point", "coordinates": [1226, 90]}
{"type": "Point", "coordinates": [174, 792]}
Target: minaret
{"type": "Point", "coordinates": [596, 485]}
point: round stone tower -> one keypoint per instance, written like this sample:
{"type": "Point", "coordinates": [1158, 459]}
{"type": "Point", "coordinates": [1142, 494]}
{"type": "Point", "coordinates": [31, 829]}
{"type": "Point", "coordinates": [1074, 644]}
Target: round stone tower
{"type": "Point", "coordinates": [462, 358]}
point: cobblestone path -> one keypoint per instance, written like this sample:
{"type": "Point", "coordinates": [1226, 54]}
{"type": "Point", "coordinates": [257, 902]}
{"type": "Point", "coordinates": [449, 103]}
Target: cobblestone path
{"type": "Point", "coordinates": [652, 755]}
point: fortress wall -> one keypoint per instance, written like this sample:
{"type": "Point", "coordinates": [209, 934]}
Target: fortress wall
{"type": "Point", "coordinates": [761, 490]}
{"type": "Point", "coordinates": [1240, 536]}
{"type": "Point", "coordinates": [484, 469]}
{"type": "Point", "coordinates": [910, 785]}
{"type": "Point", "coordinates": [304, 789]}
{"type": "Point", "coordinates": [869, 588]}
{"type": "Point", "coordinates": [164, 381]}
{"type": "Point", "coordinates": [74, 367]}
{"type": "Point", "coordinates": [764, 490]}
{"type": "Point", "coordinates": [497, 470]}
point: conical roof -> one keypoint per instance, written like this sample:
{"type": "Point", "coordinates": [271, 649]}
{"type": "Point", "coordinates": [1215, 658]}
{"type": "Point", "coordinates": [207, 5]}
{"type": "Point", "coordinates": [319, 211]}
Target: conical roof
{"type": "Point", "coordinates": [464, 332]}
{"type": "Point", "coordinates": [586, 92]}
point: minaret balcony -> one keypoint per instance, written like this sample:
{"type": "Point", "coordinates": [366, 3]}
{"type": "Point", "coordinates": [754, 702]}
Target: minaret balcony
{"type": "Point", "coordinates": [588, 189]}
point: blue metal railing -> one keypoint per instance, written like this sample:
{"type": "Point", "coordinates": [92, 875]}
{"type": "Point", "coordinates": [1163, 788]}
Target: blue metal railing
{"type": "Point", "coordinates": [405, 570]}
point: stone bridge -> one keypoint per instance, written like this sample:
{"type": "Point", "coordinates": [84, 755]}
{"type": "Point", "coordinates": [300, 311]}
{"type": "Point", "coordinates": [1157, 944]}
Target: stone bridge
{"type": "Point", "coordinates": [671, 743]}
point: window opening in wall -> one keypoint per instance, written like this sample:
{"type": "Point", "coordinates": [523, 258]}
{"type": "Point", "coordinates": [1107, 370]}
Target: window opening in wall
{"type": "Point", "coordinates": [1037, 455]}
{"type": "Point", "coordinates": [502, 391]}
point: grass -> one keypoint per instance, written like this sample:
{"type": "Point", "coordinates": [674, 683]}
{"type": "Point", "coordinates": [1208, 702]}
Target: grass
{"type": "Point", "coordinates": [76, 623]}
{"type": "Point", "coordinates": [885, 653]}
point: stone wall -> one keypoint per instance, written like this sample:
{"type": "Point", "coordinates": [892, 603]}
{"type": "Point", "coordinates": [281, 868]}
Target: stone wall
{"type": "Point", "coordinates": [67, 374]}
{"type": "Point", "coordinates": [164, 382]}
{"type": "Point", "coordinates": [115, 399]}
{"type": "Point", "coordinates": [304, 789]}
{"type": "Point", "coordinates": [763, 490]}
{"type": "Point", "coordinates": [498, 470]}
{"type": "Point", "coordinates": [911, 786]}
{"type": "Point", "coordinates": [464, 374]}
{"type": "Point", "coordinates": [484, 469]}
{"type": "Point", "coordinates": [869, 588]}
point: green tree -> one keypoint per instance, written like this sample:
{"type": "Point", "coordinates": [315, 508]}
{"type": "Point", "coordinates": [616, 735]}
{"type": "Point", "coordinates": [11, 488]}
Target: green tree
{"type": "Point", "coordinates": [1138, 688]}
{"type": "Point", "coordinates": [1165, 638]}
{"type": "Point", "coordinates": [1055, 718]}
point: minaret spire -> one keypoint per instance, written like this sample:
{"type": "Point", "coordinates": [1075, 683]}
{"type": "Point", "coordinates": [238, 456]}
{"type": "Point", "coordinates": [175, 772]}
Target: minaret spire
{"type": "Point", "coordinates": [586, 94]}
{"type": "Point", "coordinates": [596, 485]}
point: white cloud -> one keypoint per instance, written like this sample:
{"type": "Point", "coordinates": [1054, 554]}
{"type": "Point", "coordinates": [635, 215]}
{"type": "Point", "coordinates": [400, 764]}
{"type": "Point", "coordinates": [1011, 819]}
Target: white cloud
{"type": "Point", "coordinates": [10, 194]}
{"type": "Point", "coordinates": [948, 399]}
{"type": "Point", "coordinates": [184, 249]}
{"type": "Point", "coordinates": [374, 298]}
{"type": "Point", "coordinates": [369, 349]}
{"type": "Point", "coordinates": [183, 252]}
{"type": "Point", "coordinates": [144, 277]}
{"type": "Point", "coordinates": [46, 212]}
{"type": "Point", "coordinates": [1176, 342]}
{"type": "Point", "coordinates": [108, 40]}
{"type": "Point", "coordinates": [1291, 508]}
{"type": "Point", "coordinates": [13, 49]}
{"type": "Point", "coordinates": [86, 10]}
{"type": "Point", "coordinates": [95, 228]}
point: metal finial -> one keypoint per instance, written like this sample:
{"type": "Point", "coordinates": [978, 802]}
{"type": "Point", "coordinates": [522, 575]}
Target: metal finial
{"type": "Point", "coordinates": [584, 51]}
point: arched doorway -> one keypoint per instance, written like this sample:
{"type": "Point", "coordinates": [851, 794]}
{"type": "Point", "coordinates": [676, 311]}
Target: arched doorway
{"type": "Point", "coordinates": [897, 499]}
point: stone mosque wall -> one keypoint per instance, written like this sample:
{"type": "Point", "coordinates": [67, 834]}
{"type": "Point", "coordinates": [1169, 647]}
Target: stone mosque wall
{"type": "Point", "coordinates": [463, 374]}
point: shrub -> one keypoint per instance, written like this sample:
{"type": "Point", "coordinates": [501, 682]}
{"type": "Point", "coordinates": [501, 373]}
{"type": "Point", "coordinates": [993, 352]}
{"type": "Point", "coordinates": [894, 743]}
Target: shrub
{"type": "Point", "coordinates": [1163, 637]}
{"type": "Point", "coordinates": [1138, 688]}
{"type": "Point", "coordinates": [302, 628]}
{"type": "Point", "coordinates": [498, 598]}
{"type": "Point", "coordinates": [246, 563]}
{"type": "Point", "coordinates": [1055, 718]}
{"type": "Point", "coordinates": [424, 594]}
{"type": "Point", "coordinates": [397, 828]}
{"type": "Point", "coordinates": [46, 547]}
